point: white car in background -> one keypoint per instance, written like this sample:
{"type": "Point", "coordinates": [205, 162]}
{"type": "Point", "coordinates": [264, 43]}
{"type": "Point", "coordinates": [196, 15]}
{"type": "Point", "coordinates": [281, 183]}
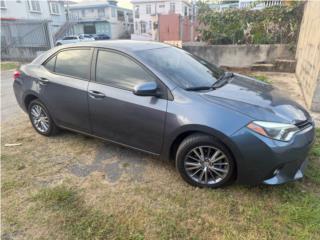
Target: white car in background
{"type": "Point", "coordinates": [75, 39]}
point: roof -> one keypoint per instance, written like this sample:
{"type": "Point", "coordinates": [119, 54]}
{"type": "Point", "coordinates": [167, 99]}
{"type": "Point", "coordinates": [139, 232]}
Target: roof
{"type": "Point", "coordinates": [95, 5]}
{"type": "Point", "coordinates": [121, 45]}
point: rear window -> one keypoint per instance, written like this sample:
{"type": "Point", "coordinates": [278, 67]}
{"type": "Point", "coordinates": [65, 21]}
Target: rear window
{"type": "Point", "coordinates": [50, 64]}
{"type": "Point", "coordinates": [74, 63]}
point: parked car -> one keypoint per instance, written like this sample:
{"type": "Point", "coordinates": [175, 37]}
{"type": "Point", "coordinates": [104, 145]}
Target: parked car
{"type": "Point", "coordinates": [75, 39]}
{"type": "Point", "coordinates": [101, 36]}
{"type": "Point", "coordinates": [217, 126]}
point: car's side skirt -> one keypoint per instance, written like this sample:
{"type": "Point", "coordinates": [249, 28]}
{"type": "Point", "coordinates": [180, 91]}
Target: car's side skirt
{"type": "Point", "coordinates": [108, 140]}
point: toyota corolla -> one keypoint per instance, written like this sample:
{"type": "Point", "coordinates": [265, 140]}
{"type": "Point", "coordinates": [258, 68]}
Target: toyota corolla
{"type": "Point", "coordinates": [217, 126]}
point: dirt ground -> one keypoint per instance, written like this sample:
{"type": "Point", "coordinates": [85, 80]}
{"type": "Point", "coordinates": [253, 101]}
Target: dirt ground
{"type": "Point", "coordinates": [75, 187]}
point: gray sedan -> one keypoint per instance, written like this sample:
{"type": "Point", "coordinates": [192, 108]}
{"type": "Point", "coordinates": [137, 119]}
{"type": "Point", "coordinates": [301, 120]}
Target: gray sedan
{"type": "Point", "coordinates": [217, 126]}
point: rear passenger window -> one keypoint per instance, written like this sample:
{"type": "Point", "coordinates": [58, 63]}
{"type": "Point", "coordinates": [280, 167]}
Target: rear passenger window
{"type": "Point", "coordinates": [50, 64]}
{"type": "Point", "coordinates": [119, 71]}
{"type": "Point", "coordinates": [74, 63]}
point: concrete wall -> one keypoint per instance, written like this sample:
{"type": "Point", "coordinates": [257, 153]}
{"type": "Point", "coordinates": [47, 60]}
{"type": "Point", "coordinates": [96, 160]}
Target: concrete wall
{"type": "Point", "coordinates": [308, 55]}
{"type": "Point", "coordinates": [239, 55]}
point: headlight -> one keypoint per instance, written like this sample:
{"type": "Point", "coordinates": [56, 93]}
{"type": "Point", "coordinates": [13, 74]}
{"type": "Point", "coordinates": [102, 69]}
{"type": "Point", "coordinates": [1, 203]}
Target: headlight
{"type": "Point", "coordinates": [277, 131]}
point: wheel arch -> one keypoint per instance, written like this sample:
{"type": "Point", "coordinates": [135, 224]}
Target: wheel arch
{"type": "Point", "coordinates": [175, 140]}
{"type": "Point", "coordinates": [28, 98]}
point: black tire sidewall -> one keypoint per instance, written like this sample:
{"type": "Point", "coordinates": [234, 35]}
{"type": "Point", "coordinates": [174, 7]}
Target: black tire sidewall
{"type": "Point", "coordinates": [51, 123]}
{"type": "Point", "coordinates": [201, 140]}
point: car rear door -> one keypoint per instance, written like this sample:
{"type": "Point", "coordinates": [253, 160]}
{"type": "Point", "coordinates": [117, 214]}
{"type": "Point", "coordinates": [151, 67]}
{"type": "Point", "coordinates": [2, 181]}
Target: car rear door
{"type": "Point", "coordinates": [63, 87]}
{"type": "Point", "coordinates": [119, 115]}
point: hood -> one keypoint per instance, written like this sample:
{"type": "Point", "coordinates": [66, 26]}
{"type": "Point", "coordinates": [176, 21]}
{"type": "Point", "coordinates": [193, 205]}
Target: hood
{"type": "Point", "coordinates": [258, 100]}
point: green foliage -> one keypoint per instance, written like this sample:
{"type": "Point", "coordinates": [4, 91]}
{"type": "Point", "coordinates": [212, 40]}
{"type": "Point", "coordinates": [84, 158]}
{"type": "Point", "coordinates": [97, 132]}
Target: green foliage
{"type": "Point", "coordinates": [277, 24]}
{"type": "Point", "coordinates": [262, 78]}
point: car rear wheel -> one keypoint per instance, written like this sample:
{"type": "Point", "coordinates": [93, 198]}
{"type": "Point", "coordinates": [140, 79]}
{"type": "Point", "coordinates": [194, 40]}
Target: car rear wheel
{"type": "Point", "coordinates": [41, 119]}
{"type": "Point", "coordinates": [203, 161]}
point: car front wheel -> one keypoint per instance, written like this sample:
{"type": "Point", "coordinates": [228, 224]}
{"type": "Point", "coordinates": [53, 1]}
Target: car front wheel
{"type": "Point", "coordinates": [203, 161]}
{"type": "Point", "coordinates": [41, 119]}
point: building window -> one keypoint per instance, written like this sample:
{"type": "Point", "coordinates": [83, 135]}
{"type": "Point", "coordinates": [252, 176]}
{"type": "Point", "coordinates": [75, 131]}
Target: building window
{"type": "Point", "coordinates": [34, 6]}
{"type": "Point", "coordinates": [148, 9]}
{"type": "Point", "coordinates": [101, 12]}
{"type": "Point", "coordinates": [3, 4]}
{"type": "Point", "coordinates": [136, 11]}
{"type": "Point", "coordinates": [54, 8]}
{"type": "Point", "coordinates": [83, 13]}
{"type": "Point", "coordinates": [150, 25]}
{"type": "Point", "coordinates": [172, 7]}
{"type": "Point", "coordinates": [161, 6]}
{"type": "Point", "coordinates": [185, 11]}
{"type": "Point", "coordinates": [136, 26]}
{"type": "Point", "coordinates": [113, 12]}
{"type": "Point", "coordinates": [121, 16]}
{"type": "Point", "coordinates": [143, 27]}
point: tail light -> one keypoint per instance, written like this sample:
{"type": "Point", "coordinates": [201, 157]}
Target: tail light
{"type": "Point", "coordinates": [16, 74]}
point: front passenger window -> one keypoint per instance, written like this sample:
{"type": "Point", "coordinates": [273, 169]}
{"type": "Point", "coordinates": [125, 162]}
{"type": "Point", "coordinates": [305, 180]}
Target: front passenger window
{"type": "Point", "coordinates": [119, 71]}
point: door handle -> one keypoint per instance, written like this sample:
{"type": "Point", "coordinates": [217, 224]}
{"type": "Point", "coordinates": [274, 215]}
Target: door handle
{"type": "Point", "coordinates": [43, 80]}
{"type": "Point", "coordinates": [96, 94]}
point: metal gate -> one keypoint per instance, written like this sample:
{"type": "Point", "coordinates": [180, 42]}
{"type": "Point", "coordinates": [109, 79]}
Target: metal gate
{"type": "Point", "coordinates": [23, 40]}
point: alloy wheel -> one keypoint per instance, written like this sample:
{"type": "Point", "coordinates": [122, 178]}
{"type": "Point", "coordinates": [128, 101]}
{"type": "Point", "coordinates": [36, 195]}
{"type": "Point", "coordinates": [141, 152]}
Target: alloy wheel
{"type": "Point", "coordinates": [40, 118]}
{"type": "Point", "coordinates": [206, 165]}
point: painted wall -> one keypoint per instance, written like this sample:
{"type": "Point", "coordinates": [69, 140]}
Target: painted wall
{"type": "Point", "coordinates": [20, 10]}
{"type": "Point", "coordinates": [308, 55]}
{"type": "Point", "coordinates": [239, 55]}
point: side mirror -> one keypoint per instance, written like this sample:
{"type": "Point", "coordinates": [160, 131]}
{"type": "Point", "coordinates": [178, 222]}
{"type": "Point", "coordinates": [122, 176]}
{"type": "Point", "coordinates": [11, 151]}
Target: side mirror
{"type": "Point", "coordinates": [146, 89]}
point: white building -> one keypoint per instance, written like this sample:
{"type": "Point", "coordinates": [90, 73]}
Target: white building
{"type": "Point", "coordinates": [145, 14]}
{"type": "Point", "coordinates": [258, 4]}
{"type": "Point", "coordinates": [49, 10]}
{"type": "Point", "coordinates": [102, 17]}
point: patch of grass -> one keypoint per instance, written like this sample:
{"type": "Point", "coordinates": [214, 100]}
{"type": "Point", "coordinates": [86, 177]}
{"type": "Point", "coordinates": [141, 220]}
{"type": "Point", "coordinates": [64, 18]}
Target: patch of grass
{"type": "Point", "coordinates": [300, 213]}
{"type": "Point", "coordinates": [11, 185]}
{"type": "Point", "coordinates": [79, 222]}
{"type": "Point", "coordinates": [262, 78]}
{"type": "Point", "coordinates": [8, 65]}
{"type": "Point", "coordinates": [313, 169]}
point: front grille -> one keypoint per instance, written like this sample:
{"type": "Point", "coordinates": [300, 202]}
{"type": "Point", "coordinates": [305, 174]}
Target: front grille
{"type": "Point", "coordinates": [304, 124]}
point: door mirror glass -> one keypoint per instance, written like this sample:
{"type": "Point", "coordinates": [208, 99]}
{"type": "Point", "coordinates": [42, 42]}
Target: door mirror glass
{"type": "Point", "coordinates": [146, 89]}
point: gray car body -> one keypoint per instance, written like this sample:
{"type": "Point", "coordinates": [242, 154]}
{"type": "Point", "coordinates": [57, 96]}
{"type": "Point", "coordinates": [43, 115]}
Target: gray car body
{"type": "Point", "coordinates": [158, 125]}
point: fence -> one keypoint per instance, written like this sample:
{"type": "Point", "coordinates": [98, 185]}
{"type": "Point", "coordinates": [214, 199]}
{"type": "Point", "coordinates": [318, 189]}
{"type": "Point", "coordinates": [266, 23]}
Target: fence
{"type": "Point", "coordinates": [22, 40]}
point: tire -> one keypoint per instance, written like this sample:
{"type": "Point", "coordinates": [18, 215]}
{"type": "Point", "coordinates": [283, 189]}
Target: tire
{"type": "Point", "coordinates": [201, 169]}
{"type": "Point", "coordinates": [58, 44]}
{"type": "Point", "coordinates": [35, 107]}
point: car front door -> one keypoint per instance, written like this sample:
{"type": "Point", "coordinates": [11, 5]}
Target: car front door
{"type": "Point", "coordinates": [63, 87]}
{"type": "Point", "coordinates": [119, 115]}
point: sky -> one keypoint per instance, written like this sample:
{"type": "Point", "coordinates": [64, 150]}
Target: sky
{"type": "Point", "coordinates": [121, 3]}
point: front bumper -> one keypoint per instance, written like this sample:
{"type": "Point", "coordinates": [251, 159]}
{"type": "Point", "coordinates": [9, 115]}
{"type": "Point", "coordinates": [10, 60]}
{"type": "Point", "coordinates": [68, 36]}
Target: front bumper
{"type": "Point", "coordinates": [263, 160]}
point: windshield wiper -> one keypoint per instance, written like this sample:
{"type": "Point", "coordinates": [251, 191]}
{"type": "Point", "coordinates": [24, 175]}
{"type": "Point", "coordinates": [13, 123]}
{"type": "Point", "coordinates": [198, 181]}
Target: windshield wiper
{"type": "Point", "coordinates": [201, 88]}
{"type": "Point", "coordinates": [223, 79]}
{"type": "Point", "coordinates": [219, 83]}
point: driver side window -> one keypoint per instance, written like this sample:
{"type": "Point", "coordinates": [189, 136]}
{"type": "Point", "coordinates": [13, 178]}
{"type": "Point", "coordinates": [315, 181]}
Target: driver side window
{"type": "Point", "coordinates": [119, 71]}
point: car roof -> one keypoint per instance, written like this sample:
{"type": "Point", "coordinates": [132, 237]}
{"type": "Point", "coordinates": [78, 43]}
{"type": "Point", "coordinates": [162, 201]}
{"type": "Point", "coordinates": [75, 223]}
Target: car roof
{"type": "Point", "coordinates": [128, 46]}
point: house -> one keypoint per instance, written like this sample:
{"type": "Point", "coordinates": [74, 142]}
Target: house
{"type": "Point", "coordinates": [222, 5]}
{"type": "Point", "coordinates": [258, 4]}
{"type": "Point", "coordinates": [147, 14]}
{"type": "Point", "coordinates": [102, 17]}
{"type": "Point", "coordinates": [41, 10]}
{"type": "Point", "coordinates": [28, 27]}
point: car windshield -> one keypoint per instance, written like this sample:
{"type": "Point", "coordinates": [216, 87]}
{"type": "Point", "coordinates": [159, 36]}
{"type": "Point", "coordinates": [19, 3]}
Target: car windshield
{"type": "Point", "coordinates": [184, 69]}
